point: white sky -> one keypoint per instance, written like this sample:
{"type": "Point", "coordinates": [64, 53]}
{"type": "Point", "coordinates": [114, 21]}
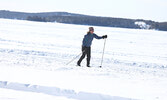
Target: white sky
{"type": "Point", "coordinates": [137, 9]}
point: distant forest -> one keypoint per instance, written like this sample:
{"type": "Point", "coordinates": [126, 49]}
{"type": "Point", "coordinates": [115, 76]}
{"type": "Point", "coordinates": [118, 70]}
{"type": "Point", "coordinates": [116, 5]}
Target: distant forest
{"type": "Point", "coordinates": [71, 18]}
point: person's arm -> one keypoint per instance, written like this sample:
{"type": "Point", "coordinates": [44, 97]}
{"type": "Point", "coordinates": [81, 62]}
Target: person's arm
{"type": "Point", "coordinates": [84, 41]}
{"type": "Point", "coordinates": [100, 37]}
{"type": "Point", "coordinates": [97, 37]}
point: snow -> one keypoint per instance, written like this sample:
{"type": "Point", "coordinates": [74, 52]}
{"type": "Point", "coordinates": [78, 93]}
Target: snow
{"type": "Point", "coordinates": [33, 58]}
{"type": "Point", "coordinates": [6, 94]}
{"type": "Point", "coordinates": [142, 25]}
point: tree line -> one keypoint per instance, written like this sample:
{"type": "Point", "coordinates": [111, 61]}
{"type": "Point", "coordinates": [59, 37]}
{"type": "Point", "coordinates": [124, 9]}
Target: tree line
{"type": "Point", "coordinates": [99, 21]}
{"type": "Point", "coordinates": [71, 18]}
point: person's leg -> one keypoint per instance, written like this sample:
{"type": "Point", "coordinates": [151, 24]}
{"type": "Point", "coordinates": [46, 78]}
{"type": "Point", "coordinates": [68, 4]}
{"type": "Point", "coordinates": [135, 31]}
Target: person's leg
{"type": "Point", "coordinates": [82, 57]}
{"type": "Point", "coordinates": [88, 56]}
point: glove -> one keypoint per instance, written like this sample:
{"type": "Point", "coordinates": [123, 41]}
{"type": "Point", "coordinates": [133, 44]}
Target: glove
{"type": "Point", "coordinates": [104, 36]}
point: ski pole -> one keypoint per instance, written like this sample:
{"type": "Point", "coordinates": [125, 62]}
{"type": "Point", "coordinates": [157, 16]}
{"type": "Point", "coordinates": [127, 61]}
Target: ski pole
{"type": "Point", "coordinates": [103, 53]}
{"type": "Point", "coordinates": [75, 58]}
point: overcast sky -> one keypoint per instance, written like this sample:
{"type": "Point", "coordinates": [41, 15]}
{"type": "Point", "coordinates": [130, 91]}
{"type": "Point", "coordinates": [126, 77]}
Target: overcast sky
{"type": "Point", "coordinates": [137, 9]}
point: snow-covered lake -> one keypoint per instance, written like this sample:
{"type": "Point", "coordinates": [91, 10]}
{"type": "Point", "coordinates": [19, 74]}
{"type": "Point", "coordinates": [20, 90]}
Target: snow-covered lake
{"type": "Point", "coordinates": [33, 58]}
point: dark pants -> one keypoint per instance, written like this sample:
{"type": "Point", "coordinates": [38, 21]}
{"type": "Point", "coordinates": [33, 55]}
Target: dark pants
{"type": "Point", "coordinates": [85, 51]}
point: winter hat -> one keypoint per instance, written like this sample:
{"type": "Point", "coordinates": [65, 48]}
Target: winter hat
{"type": "Point", "coordinates": [91, 29]}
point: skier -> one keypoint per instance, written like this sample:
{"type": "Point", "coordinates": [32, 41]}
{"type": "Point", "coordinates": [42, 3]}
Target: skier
{"type": "Point", "coordinates": [86, 45]}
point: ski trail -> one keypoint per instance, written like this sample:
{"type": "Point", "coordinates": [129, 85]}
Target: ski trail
{"type": "Point", "coordinates": [54, 91]}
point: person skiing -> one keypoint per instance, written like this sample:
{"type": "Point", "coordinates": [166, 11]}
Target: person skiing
{"type": "Point", "coordinates": [86, 45]}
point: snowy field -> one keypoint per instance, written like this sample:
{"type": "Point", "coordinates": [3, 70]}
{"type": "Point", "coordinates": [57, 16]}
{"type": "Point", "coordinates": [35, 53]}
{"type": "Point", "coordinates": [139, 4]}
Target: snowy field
{"type": "Point", "coordinates": [33, 58]}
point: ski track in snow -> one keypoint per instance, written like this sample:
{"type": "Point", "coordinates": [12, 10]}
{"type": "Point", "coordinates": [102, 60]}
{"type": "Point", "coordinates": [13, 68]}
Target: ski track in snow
{"type": "Point", "coordinates": [58, 91]}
